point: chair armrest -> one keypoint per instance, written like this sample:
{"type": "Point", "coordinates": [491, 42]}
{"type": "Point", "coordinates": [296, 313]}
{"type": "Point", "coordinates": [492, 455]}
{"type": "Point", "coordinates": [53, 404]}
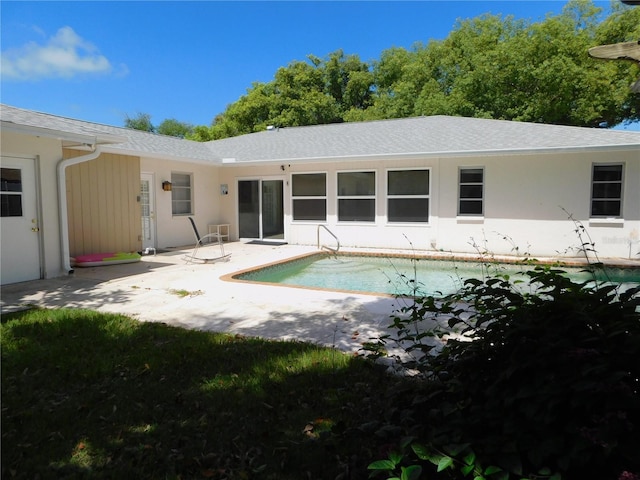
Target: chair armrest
{"type": "Point", "coordinates": [209, 235]}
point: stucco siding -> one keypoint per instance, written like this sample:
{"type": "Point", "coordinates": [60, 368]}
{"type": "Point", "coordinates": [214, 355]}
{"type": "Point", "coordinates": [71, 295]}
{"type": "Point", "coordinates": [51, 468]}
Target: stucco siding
{"type": "Point", "coordinates": [631, 207]}
{"type": "Point", "coordinates": [175, 230]}
{"type": "Point", "coordinates": [533, 204]}
{"type": "Point", "coordinates": [378, 234]}
{"type": "Point", "coordinates": [48, 153]}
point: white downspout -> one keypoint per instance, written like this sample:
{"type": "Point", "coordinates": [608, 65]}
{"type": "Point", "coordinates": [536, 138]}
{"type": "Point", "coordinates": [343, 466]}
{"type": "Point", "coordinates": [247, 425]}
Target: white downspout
{"type": "Point", "coordinates": [62, 202]}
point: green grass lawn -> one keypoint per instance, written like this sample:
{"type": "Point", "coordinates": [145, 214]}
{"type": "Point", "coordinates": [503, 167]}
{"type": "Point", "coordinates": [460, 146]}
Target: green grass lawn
{"type": "Point", "coordinates": [90, 395]}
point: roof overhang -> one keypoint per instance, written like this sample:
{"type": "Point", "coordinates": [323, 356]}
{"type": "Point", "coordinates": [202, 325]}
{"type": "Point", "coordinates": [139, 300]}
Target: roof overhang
{"type": "Point", "coordinates": [116, 149]}
{"type": "Point", "coordinates": [69, 139]}
{"type": "Point", "coordinates": [233, 162]}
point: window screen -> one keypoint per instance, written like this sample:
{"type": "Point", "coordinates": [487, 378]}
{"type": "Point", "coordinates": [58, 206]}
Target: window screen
{"type": "Point", "coordinates": [356, 196]}
{"type": "Point", "coordinates": [606, 191]}
{"type": "Point", "coordinates": [181, 194]}
{"type": "Point", "coordinates": [309, 192]}
{"type": "Point", "coordinates": [408, 196]}
{"type": "Point", "coordinates": [471, 191]}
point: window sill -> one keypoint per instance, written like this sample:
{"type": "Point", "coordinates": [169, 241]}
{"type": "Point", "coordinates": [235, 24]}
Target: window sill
{"type": "Point", "coordinates": [408, 224]}
{"type": "Point", "coordinates": [606, 222]}
{"type": "Point", "coordinates": [470, 219]}
{"type": "Point", "coordinates": [357, 222]}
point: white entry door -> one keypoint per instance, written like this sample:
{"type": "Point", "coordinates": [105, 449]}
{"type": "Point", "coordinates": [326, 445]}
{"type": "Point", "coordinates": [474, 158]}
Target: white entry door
{"type": "Point", "coordinates": [148, 209]}
{"type": "Point", "coordinates": [19, 227]}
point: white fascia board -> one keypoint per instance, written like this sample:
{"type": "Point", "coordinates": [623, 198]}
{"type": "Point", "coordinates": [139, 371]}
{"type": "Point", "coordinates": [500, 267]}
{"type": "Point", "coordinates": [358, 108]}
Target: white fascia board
{"type": "Point", "coordinates": [234, 162]}
{"type": "Point", "coordinates": [79, 138]}
{"type": "Point", "coordinates": [438, 154]}
{"type": "Point", "coordinates": [47, 132]}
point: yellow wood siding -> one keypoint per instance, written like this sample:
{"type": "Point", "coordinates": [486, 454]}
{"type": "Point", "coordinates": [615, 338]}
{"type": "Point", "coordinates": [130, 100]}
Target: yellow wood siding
{"type": "Point", "coordinates": [103, 204]}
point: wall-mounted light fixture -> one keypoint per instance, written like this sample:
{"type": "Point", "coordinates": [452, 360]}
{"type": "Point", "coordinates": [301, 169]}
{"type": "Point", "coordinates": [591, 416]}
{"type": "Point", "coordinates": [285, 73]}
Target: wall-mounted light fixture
{"type": "Point", "coordinates": [166, 186]}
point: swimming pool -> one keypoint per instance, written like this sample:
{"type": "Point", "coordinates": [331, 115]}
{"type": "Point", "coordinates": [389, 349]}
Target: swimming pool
{"type": "Point", "coordinates": [395, 275]}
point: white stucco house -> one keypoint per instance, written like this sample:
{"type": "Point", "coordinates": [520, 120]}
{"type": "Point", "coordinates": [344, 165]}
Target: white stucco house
{"type": "Point", "coordinates": [71, 187]}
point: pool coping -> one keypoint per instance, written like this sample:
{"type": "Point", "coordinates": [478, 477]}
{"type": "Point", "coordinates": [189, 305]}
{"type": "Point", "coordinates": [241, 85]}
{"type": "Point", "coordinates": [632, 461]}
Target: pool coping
{"type": "Point", "coordinates": [457, 257]}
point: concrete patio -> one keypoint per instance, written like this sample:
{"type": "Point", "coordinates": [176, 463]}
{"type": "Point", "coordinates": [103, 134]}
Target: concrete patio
{"type": "Point", "coordinates": [146, 290]}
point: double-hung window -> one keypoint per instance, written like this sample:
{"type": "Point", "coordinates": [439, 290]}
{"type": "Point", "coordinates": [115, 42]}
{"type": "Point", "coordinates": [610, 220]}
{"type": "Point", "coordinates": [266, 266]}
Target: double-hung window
{"type": "Point", "coordinates": [181, 194]}
{"type": "Point", "coordinates": [408, 196]}
{"type": "Point", "coordinates": [606, 191]}
{"type": "Point", "coordinates": [309, 192]}
{"type": "Point", "coordinates": [471, 192]}
{"type": "Point", "coordinates": [356, 196]}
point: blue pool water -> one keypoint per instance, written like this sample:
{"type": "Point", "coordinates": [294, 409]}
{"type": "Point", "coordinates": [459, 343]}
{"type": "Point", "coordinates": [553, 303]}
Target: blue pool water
{"type": "Point", "coordinates": [397, 275]}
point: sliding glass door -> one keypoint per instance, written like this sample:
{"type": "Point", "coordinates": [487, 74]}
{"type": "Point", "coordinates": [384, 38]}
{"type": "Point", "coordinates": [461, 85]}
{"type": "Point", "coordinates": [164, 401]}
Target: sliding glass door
{"type": "Point", "coordinates": [261, 209]}
{"type": "Point", "coordinates": [272, 210]}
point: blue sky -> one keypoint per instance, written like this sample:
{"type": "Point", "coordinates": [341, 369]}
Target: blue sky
{"type": "Point", "coordinates": [100, 61]}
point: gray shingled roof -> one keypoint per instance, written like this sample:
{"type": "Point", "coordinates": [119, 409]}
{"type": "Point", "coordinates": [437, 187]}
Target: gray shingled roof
{"type": "Point", "coordinates": [135, 142]}
{"type": "Point", "coordinates": [419, 136]}
{"type": "Point", "coordinates": [431, 136]}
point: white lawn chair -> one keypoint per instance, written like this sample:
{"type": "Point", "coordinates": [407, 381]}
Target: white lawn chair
{"type": "Point", "coordinates": [200, 240]}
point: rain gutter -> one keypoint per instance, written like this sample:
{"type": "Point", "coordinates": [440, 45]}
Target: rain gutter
{"type": "Point", "coordinates": [62, 201]}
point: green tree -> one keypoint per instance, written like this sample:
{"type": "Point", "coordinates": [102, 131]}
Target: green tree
{"type": "Point", "coordinates": [316, 91]}
{"type": "Point", "coordinates": [174, 128]}
{"type": "Point", "coordinates": [200, 133]}
{"type": "Point", "coordinates": [488, 67]}
{"type": "Point", "coordinates": [347, 80]}
{"type": "Point", "coordinates": [544, 74]}
{"type": "Point", "coordinates": [396, 83]}
{"type": "Point", "coordinates": [142, 121]}
{"type": "Point", "coordinates": [170, 127]}
{"type": "Point", "coordinates": [494, 67]}
{"type": "Point", "coordinates": [623, 25]}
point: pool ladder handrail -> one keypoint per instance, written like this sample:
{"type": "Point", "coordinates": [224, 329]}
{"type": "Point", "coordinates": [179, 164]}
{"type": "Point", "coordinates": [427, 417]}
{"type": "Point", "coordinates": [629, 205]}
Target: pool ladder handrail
{"type": "Point", "coordinates": [327, 247]}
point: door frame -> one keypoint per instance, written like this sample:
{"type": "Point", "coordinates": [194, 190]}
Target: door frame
{"type": "Point", "coordinates": [150, 177]}
{"type": "Point", "coordinates": [261, 179]}
{"type": "Point", "coordinates": [20, 162]}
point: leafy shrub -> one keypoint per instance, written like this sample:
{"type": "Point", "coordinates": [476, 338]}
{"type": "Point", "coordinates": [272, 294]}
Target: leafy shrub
{"type": "Point", "coordinates": [544, 378]}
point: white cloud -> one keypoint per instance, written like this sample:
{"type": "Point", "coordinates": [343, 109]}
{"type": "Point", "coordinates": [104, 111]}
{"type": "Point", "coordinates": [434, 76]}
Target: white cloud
{"type": "Point", "coordinates": [65, 55]}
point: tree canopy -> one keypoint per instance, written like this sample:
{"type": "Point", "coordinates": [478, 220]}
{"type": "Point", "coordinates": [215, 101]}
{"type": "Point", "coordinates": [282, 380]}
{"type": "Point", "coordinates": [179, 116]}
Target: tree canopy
{"type": "Point", "coordinates": [310, 92]}
{"type": "Point", "coordinates": [174, 128]}
{"type": "Point", "coordinates": [170, 126]}
{"type": "Point", "coordinates": [141, 121]}
{"type": "Point", "coordinates": [489, 67]}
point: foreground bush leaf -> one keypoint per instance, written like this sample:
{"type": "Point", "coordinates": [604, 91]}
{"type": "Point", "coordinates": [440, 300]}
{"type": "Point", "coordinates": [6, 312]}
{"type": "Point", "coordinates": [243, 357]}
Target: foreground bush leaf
{"type": "Point", "coordinates": [444, 463]}
{"type": "Point", "coordinates": [382, 465]}
{"type": "Point", "coordinates": [411, 473]}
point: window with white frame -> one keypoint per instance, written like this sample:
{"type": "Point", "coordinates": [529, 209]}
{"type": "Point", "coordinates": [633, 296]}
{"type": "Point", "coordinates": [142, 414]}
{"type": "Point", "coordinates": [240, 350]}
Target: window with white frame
{"type": "Point", "coordinates": [11, 188]}
{"type": "Point", "coordinates": [606, 190]}
{"type": "Point", "coordinates": [309, 194]}
{"type": "Point", "coordinates": [408, 196]}
{"type": "Point", "coordinates": [471, 191]}
{"type": "Point", "coordinates": [181, 194]}
{"type": "Point", "coordinates": [356, 196]}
